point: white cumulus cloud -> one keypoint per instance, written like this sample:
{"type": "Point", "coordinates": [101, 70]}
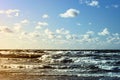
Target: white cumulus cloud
{"type": "Point", "coordinates": [70, 13]}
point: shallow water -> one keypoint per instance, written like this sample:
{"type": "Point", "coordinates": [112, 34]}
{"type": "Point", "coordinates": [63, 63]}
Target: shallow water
{"type": "Point", "coordinates": [70, 65]}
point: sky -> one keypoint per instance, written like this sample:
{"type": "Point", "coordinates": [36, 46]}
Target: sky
{"type": "Point", "coordinates": [59, 24]}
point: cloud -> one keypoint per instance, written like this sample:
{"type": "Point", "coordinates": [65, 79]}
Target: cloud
{"type": "Point", "coordinates": [96, 3]}
{"type": "Point", "coordinates": [34, 34]}
{"type": "Point", "coordinates": [88, 37]}
{"type": "Point", "coordinates": [10, 12]}
{"type": "Point", "coordinates": [18, 26]}
{"type": "Point", "coordinates": [23, 35]}
{"type": "Point", "coordinates": [92, 3]}
{"type": "Point", "coordinates": [62, 34]}
{"type": "Point", "coordinates": [25, 21]}
{"type": "Point", "coordinates": [107, 6]}
{"type": "Point", "coordinates": [29, 35]}
{"type": "Point", "coordinates": [49, 34]}
{"type": "Point", "coordinates": [104, 32]}
{"type": "Point", "coordinates": [78, 24]}
{"type": "Point", "coordinates": [45, 16]}
{"type": "Point", "coordinates": [62, 31]}
{"type": "Point", "coordinates": [41, 24]}
{"type": "Point", "coordinates": [5, 29]}
{"type": "Point", "coordinates": [71, 36]}
{"type": "Point", "coordinates": [112, 6]}
{"type": "Point", "coordinates": [115, 6]}
{"type": "Point", "coordinates": [114, 38]}
{"type": "Point", "coordinates": [89, 23]}
{"type": "Point", "coordinates": [90, 32]}
{"type": "Point", "coordinates": [70, 13]}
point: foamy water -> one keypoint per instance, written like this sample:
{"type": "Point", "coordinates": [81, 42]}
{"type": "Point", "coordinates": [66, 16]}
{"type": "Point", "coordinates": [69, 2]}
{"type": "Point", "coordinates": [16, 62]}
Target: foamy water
{"type": "Point", "coordinates": [71, 63]}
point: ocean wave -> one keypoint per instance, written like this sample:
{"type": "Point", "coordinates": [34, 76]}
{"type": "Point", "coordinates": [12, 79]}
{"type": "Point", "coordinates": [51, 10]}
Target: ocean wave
{"type": "Point", "coordinates": [84, 63]}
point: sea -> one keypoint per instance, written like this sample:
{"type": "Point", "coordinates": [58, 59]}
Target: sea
{"type": "Point", "coordinates": [34, 64]}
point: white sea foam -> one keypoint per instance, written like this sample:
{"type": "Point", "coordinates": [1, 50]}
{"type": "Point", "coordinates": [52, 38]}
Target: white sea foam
{"type": "Point", "coordinates": [81, 63]}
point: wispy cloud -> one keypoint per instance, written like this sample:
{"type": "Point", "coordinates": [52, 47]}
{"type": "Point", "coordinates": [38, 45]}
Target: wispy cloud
{"type": "Point", "coordinates": [70, 13]}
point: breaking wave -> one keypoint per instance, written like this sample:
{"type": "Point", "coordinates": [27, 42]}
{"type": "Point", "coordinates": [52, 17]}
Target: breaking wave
{"type": "Point", "coordinates": [79, 63]}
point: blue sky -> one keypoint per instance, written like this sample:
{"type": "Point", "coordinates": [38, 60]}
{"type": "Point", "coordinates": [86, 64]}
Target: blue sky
{"type": "Point", "coordinates": [66, 24]}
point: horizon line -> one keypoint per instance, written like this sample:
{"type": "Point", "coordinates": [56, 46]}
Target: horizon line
{"type": "Point", "coordinates": [62, 49]}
